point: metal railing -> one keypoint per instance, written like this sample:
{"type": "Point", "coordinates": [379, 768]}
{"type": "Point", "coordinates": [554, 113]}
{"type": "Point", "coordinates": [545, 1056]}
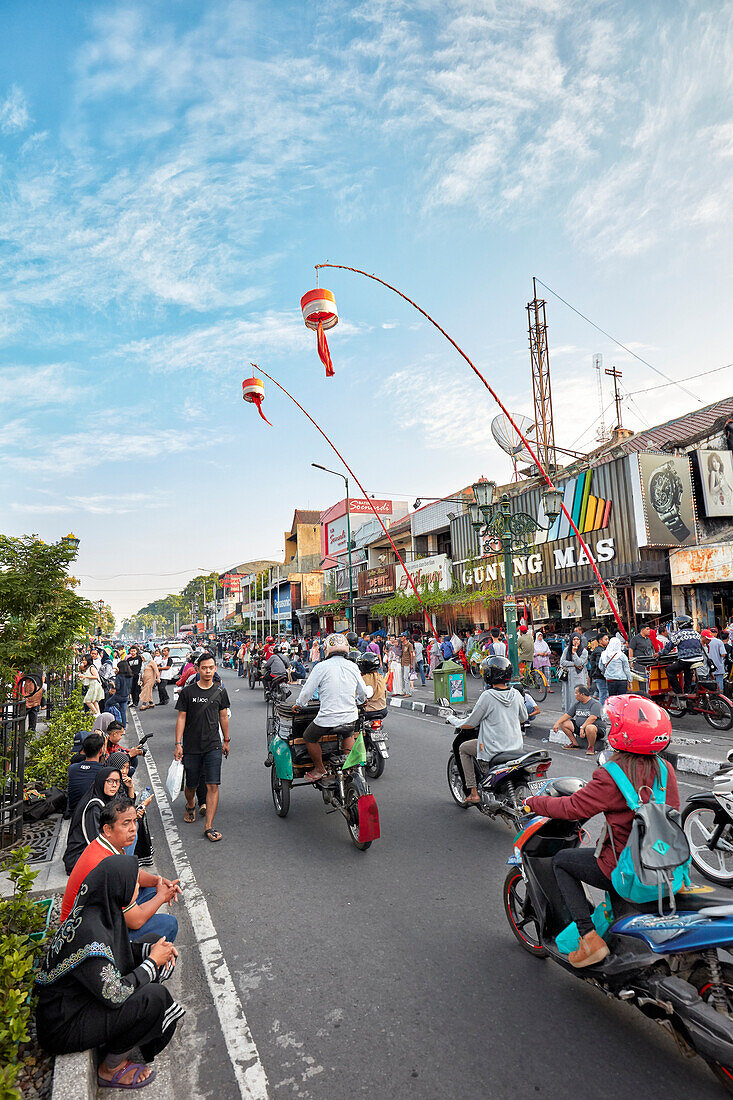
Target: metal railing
{"type": "Point", "coordinates": [12, 760]}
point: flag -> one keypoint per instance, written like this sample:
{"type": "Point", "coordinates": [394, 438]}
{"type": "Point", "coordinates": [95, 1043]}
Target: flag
{"type": "Point", "coordinates": [357, 754]}
{"type": "Point", "coordinates": [323, 352]}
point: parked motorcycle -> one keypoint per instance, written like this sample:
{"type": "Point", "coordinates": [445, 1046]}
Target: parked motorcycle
{"type": "Point", "coordinates": [667, 966]}
{"type": "Point", "coordinates": [376, 743]}
{"type": "Point", "coordinates": [508, 779]}
{"type": "Point", "coordinates": [708, 823]}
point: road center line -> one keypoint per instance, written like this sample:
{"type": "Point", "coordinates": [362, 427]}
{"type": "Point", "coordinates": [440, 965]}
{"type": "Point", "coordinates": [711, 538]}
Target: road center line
{"type": "Point", "coordinates": [243, 1054]}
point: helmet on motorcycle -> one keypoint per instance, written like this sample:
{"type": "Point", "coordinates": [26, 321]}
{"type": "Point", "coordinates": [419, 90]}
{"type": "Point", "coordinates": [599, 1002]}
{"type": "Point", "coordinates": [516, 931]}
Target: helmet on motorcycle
{"type": "Point", "coordinates": [269, 639]}
{"type": "Point", "coordinates": [682, 622]}
{"type": "Point", "coordinates": [706, 635]}
{"type": "Point", "coordinates": [352, 638]}
{"type": "Point", "coordinates": [637, 725]}
{"type": "Point", "coordinates": [336, 644]}
{"type": "Point", "coordinates": [367, 662]}
{"type": "Point", "coordinates": [497, 670]}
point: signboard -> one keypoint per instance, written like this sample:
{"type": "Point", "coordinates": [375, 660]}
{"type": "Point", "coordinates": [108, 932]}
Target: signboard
{"type": "Point", "coordinates": [425, 571]}
{"type": "Point", "coordinates": [716, 475]}
{"type": "Point", "coordinates": [647, 599]}
{"type": "Point", "coordinates": [456, 693]}
{"type": "Point", "coordinates": [377, 582]}
{"type": "Point", "coordinates": [334, 526]}
{"type": "Point", "coordinates": [602, 605]}
{"type": "Point", "coordinates": [281, 603]}
{"type": "Point", "coordinates": [663, 501]}
{"type": "Point", "coordinates": [702, 564]}
{"type": "Point", "coordinates": [538, 607]}
{"type": "Point", "coordinates": [570, 604]}
{"type": "Point", "coordinates": [232, 582]}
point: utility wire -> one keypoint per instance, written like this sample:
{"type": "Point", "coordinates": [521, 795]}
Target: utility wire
{"type": "Point", "coordinates": [663, 385]}
{"type": "Point", "coordinates": [114, 576]}
{"type": "Point", "coordinates": [593, 424]}
{"type": "Point", "coordinates": [671, 381]}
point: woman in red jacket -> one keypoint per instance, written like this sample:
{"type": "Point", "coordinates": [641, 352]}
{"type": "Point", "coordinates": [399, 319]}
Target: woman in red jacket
{"type": "Point", "coordinates": [639, 730]}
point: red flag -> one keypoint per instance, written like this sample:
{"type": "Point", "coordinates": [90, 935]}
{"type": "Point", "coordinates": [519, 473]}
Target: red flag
{"type": "Point", "coordinates": [323, 352]}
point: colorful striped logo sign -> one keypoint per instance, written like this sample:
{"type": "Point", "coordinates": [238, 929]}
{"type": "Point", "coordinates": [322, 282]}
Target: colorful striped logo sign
{"type": "Point", "coordinates": [589, 513]}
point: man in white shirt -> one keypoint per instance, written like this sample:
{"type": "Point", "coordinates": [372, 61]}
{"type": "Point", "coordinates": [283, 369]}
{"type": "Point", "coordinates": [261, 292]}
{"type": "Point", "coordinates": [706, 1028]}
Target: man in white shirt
{"type": "Point", "coordinates": [716, 655]}
{"type": "Point", "coordinates": [419, 660]}
{"type": "Point", "coordinates": [340, 687]}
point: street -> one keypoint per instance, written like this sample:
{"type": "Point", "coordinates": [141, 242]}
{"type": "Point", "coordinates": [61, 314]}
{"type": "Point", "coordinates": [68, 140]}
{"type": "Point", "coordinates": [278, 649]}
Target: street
{"type": "Point", "coordinates": [390, 973]}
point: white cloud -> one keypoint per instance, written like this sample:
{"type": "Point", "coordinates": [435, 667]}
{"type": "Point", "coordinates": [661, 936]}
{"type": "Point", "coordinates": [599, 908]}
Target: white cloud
{"type": "Point", "coordinates": [14, 113]}
{"type": "Point", "coordinates": [100, 505]}
{"type": "Point", "coordinates": [33, 386]}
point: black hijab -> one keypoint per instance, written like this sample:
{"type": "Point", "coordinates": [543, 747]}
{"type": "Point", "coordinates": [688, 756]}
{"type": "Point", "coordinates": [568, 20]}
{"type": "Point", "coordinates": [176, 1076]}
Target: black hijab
{"type": "Point", "coordinates": [77, 841]}
{"type": "Point", "coordinates": [95, 929]}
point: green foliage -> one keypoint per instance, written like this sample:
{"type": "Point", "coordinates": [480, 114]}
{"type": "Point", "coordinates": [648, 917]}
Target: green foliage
{"type": "Point", "coordinates": [434, 597]}
{"type": "Point", "coordinates": [19, 918]}
{"type": "Point", "coordinates": [48, 753]}
{"type": "Point", "coordinates": [163, 611]}
{"type": "Point", "coordinates": [40, 614]}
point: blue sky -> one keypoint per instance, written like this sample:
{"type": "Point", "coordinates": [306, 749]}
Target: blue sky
{"type": "Point", "coordinates": [170, 172]}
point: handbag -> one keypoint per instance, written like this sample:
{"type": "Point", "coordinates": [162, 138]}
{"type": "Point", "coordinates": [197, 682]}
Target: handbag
{"type": "Point", "coordinates": [390, 680]}
{"type": "Point", "coordinates": [562, 675]}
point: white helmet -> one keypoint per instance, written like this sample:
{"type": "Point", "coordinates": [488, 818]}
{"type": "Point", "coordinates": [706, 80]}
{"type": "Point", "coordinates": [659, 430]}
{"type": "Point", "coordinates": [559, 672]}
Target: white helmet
{"type": "Point", "coordinates": [336, 643]}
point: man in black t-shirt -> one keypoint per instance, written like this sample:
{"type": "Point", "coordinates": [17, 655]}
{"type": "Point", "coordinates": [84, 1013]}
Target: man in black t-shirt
{"type": "Point", "coordinates": [135, 662]}
{"type": "Point", "coordinates": [584, 720]}
{"type": "Point", "coordinates": [642, 653]}
{"type": "Point", "coordinates": [202, 708]}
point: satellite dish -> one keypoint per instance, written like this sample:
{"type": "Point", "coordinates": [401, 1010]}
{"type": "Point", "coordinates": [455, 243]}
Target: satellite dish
{"type": "Point", "coordinates": [509, 439]}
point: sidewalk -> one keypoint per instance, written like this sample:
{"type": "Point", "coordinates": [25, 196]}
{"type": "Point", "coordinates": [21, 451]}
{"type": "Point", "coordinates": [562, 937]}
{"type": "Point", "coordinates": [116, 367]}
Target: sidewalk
{"type": "Point", "coordinates": [696, 749]}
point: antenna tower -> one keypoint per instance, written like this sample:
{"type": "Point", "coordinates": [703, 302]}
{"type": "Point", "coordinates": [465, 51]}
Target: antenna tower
{"type": "Point", "coordinates": [617, 376]}
{"type": "Point", "coordinates": [541, 381]}
{"type": "Point", "coordinates": [601, 434]}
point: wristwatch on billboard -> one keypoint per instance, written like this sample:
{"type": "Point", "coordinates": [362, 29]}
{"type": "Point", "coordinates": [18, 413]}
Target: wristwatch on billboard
{"type": "Point", "coordinates": [665, 493]}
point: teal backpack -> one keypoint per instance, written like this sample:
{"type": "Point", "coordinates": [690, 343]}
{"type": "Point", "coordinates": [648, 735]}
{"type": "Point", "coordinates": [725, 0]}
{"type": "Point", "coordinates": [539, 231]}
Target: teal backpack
{"type": "Point", "coordinates": [657, 853]}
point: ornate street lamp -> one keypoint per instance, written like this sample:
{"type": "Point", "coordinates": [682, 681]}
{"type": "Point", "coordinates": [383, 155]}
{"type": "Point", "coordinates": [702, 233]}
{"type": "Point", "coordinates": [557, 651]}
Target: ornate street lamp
{"type": "Point", "coordinates": [70, 541]}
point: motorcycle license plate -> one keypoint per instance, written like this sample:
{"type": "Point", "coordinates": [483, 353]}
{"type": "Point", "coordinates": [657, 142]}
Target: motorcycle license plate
{"type": "Point", "coordinates": [537, 785]}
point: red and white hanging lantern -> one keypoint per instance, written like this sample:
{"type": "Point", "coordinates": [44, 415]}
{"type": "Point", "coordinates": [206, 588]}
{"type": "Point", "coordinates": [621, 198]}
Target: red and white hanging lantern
{"type": "Point", "coordinates": [319, 314]}
{"type": "Point", "coordinates": [253, 390]}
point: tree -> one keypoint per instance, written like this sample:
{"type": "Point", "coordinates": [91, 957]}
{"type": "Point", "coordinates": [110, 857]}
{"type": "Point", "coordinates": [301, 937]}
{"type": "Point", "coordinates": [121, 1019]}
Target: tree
{"type": "Point", "coordinates": [40, 614]}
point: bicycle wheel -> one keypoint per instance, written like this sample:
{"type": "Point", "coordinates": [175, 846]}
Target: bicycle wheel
{"type": "Point", "coordinates": [537, 685]}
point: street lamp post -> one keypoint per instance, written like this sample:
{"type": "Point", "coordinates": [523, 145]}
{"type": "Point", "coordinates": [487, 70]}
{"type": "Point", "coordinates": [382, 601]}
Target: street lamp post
{"type": "Point", "coordinates": [100, 608]}
{"type": "Point", "coordinates": [513, 530]}
{"type": "Point", "coordinates": [336, 473]}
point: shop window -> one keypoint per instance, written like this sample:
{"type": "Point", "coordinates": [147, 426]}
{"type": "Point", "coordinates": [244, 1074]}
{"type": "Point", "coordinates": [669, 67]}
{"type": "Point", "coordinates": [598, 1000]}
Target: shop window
{"type": "Point", "coordinates": [444, 543]}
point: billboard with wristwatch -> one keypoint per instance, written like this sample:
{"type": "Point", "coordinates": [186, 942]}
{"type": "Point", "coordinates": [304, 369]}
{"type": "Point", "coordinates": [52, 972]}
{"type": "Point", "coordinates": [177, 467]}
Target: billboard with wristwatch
{"type": "Point", "coordinates": [664, 505]}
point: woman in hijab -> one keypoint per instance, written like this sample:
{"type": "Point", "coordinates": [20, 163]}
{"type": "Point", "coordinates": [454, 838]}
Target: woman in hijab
{"type": "Point", "coordinates": [84, 826]}
{"type": "Point", "coordinates": [142, 845]}
{"type": "Point", "coordinates": [541, 659]}
{"type": "Point", "coordinates": [614, 664]}
{"type": "Point", "coordinates": [151, 677]}
{"type": "Point", "coordinates": [101, 722]}
{"type": "Point", "coordinates": [574, 661]}
{"type": "Point", "coordinates": [97, 990]}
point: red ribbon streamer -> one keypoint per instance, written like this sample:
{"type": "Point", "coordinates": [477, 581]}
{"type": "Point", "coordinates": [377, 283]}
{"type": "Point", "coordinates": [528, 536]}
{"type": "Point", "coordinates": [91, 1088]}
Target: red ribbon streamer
{"type": "Point", "coordinates": [323, 352]}
{"type": "Point", "coordinates": [258, 402]}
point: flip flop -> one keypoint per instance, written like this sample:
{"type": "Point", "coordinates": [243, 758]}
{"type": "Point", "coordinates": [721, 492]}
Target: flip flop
{"type": "Point", "coordinates": [312, 777]}
{"type": "Point", "coordinates": [190, 814]}
{"type": "Point", "coordinates": [116, 1083]}
{"type": "Point", "coordinates": [212, 835]}
{"type": "Point", "coordinates": [571, 747]}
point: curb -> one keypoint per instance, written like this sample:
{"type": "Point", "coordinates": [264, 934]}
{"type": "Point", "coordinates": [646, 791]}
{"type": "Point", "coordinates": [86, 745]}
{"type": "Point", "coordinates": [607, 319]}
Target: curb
{"type": "Point", "coordinates": [682, 761]}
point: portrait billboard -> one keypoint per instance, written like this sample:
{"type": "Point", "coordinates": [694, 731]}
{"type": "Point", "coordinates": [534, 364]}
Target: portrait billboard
{"type": "Point", "coordinates": [602, 605]}
{"type": "Point", "coordinates": [570, 604]}
{"type": "Point", "coordinates": [647, 598]}
{"type": "Point", "coordinates": [538, 607]}
{"type": "Point", "coordinates": [716, 475]}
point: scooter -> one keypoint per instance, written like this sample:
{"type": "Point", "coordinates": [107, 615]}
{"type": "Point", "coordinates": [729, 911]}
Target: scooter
{"type": "Point", "coordinates": [508, 779]}
{"type": "Point", "coordinates": [376, 743]}
{"type": "Point", "coordinates": [708, 823]}
{"type": "Point", "coordinates": [666, 966]}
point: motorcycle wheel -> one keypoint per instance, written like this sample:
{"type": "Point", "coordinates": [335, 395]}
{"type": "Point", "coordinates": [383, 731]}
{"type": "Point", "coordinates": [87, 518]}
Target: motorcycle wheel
{"type": "Point", "coordinates": [280, 793]}
{"type": "Point", "coordinates": [670, 704]}
{"type": "Point", "coordinates": [718, 712]}
{"type": "Point", "coordinates": [251, 682]}
{"type": "Point", "coordinates": [699, 825]}
{"type": "Point", "coordinates": [375, 764]}
{"type": "Point", "coordinates": [474, 669]}
{"type": "Point", "coordinates": [455, 782]}
{"type": "Point", "coordinates": [701, 980]}
{"type": "Point", "coordinates": [352, 808]}
{"type": "Point", "coordinates": [518, 909]}
{"type": "Point", "coordinates": [538, 686]}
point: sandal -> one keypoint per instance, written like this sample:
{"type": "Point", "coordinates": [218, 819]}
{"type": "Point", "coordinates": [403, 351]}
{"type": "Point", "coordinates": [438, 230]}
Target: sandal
{"type": "Point", "coordinates": [115, 1082]}
{"type": "Point", "coordinates": [571, 746]}
{"type": "Point", "coordinates": [190, 814]}
{"type": "Point", "coordinates": [314, 777]}
{"type": "Point", "coordinates": [212, 835]}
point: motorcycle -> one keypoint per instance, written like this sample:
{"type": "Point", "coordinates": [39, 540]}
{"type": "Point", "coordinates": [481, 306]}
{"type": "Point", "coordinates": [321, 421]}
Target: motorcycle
{"type": "Point", "coordinates": [708, 823]}
{"type": "Point", "coordinates": [376, 743]}
{"type": "Point", "coordinates": [507, 780]}
{"type": "Point", "coordinates": [666, 966]}
{"type": "Point", "coordinates": [704, 698]}
{"type": "Point", "coordinates": [344, 788]}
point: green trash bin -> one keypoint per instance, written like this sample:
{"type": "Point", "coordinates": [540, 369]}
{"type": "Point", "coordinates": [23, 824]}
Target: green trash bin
{"type": "Point", "coordinates": [449, 683]}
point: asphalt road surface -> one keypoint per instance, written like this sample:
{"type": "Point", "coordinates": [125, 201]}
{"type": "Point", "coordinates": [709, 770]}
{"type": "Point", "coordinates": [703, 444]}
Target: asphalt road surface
{"type": "Point", "coordinates": [393, 972]}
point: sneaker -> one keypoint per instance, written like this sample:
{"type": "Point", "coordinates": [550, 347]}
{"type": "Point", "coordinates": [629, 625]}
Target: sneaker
{"type": "Point", "coordinates": [590, 951]}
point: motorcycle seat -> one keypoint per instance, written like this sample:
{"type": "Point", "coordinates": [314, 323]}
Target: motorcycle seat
{"type": "Point", "coordinates": [685, 901]}
{"type": "Point", "coordinates": [516, 754]}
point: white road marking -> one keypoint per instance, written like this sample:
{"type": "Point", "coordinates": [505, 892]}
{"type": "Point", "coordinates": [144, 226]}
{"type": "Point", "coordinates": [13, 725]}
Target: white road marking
{"type": "Point", "coordinates": [248, 1069]}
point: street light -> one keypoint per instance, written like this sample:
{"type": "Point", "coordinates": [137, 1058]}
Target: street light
{"type": "Point", "coordinates": [336, 473]}
{"type": "Point", "coordinates": [70, 541]}
{"type": "Point", "coordinates": [512, 530]}
{"type": "Point", "coordinates": [100, 608]}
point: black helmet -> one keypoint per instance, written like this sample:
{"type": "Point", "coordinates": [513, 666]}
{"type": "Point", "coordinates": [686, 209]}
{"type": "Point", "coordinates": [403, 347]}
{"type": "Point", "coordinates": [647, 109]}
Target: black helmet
{"type": "Point", "coordinates": [352, 639]}
{"type": "Point", "coordinates": [497, 670]}
{"type": "Point", "coordinates": [353, 655]}
{"type": "Point", "coordinates": [367, 662]}
{"type": "Point", "coordinates": [682, 622]}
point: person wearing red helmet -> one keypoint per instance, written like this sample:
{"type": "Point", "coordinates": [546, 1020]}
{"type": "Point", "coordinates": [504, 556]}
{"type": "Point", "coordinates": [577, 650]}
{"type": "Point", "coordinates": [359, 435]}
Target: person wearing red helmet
{"type": "Point", "coordinates": [269, 648]}
{"type": "Point", "coordinates": [639, 730]}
